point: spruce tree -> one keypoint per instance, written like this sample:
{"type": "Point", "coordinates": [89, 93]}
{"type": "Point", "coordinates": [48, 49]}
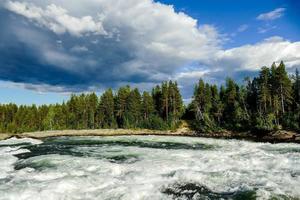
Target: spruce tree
{"type": "Point", "coordinates": [178, 103]}
{"type": "Point", "coordinates": [297, 88]}
{"type": "Point", "coordinates": [92, 103]}
{"type": "Point", "coordinates": [284, 87]}
{"type": "Point", "coordinates": [217, 106]}
{"type": "Point", "coordinates": [264, 96]}
{"type": "Point", "coordinates": [134, 111]}
{"type": "Point", "coordinates": [106, 110]}
{"type": "Point", "coordinates": [165, 100]}
{"type": "Point", "coordinates": [231, 105]}
{"type": "Point", "coordinates": [148, 108]}
{"type": "Point", "coordinates": [157, 99]}
{"type": "Point", "coordinates": [199, 100]}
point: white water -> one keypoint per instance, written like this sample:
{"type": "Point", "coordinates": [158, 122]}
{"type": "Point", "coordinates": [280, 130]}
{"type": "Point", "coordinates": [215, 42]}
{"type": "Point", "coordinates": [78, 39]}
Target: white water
{"type": "Point", "coordinates": [87, 171]}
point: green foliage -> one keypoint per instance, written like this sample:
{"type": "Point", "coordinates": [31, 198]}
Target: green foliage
{"type": "Point", "coordinates": [268, 102]}
{"type": "Point", "coordinates": [106, 110]}
{"type": "Point", "coordinates": [205, 125]}
{"type": "Point", "coordinates": [125, 109]}
{"type": "Point", "coordinates": [296, 89]}
{"type": "Point", "coordinates": [291, 120]}
{"type": "Point", "coordinates": [148, 107]}
{"type": "Point", "coordinates": [265, 122]}
{"type": "Point", "coordinates": [121, 104]}
{"type": "Point", "coordinates": [154, 122]}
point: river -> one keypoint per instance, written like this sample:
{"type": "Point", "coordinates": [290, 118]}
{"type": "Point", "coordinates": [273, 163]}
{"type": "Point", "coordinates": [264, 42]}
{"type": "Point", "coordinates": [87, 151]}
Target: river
{"type": "Point", "coordinates": [147, 167]}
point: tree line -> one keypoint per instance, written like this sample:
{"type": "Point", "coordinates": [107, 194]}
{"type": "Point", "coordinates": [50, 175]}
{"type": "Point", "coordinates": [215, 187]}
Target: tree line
{"type": "Point", "coordinates": [126, 108]}
{"type": "Point", "coordinates": [267, 102]}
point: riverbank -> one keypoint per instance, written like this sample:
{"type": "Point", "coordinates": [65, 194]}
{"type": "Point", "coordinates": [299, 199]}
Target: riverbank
{"type": "Point", "coordinates": [4, 136]}
{"type": "Point", "coordinates": [278, 136]}
{"type": "Point", "coordinates": [273, 137]}
{"type": "Point", "coordinates": [96, 132]}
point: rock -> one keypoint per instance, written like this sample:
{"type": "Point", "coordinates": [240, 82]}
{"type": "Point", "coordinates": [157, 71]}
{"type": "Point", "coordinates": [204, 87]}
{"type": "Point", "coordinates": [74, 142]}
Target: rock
{"type": "Point", "coordinates": [281, 136]}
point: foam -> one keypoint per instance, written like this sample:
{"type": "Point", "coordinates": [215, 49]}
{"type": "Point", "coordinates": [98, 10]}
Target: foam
{"type": "Point", "coordinates": [231, 166]}
{"type": "Point", "coordinates": [14, 140]}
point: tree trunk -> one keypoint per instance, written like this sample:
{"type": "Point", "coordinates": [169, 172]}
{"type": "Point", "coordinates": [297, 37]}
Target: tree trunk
{"type": "Point", "coordinates": [167, 109]}
{"type": "Point", "coordinates": [199, 114]}
{"type": "Point", "coordinates": [174, 109]}
{"type": "Point", "coordinates": [282, 100]}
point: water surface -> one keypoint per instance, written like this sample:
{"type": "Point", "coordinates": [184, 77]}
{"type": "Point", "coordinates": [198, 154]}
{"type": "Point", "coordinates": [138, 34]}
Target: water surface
{"type": "Point", "coordinates": [147, 167]}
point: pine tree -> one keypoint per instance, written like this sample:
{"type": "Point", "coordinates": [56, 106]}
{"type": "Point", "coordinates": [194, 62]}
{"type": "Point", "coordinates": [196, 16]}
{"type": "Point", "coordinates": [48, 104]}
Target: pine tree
{"type": "Point", "coordinates": [202, 103]}
{"type": "Point", "coordinates": [49, 119]}
{"type": "Point", "coordinates": [264, 89]}
{"type": "Point", "coordinates": [178, 103]}
{"type": "Point", "coordinates": [217, 106]}
{"type": "Point", "coordinates": [284, 88]}
{"type": "Point", "coordinates": [297, 88]}
{"type": "Point", "coordinates": [165, 100]}
{"type": "Point", "coordinates": [207, 98]}
{"type": "Point", "coordinates": [157, 99]}
{"type": "Point", "coordinates": [92, 103]}
{"type": "Point", "coordinates": [120, 105]}
{"type": "Point", "coordinates": [106, 110]}
{"type": "Point", "coordinates": [73, 112]}
{"type": "Point", "coordinates": [148, 108]}
{"type": "Point", "coordinates": [134, 111]}
{"type": "Point", "coordinates": [199, 100]}
{"type": "Point", "coordinates": [232, 109]}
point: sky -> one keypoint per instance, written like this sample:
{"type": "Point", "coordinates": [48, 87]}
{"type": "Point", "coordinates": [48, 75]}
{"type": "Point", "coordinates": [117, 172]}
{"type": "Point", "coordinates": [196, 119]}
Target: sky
{"type": "Point", "coordinates": [52, 48]}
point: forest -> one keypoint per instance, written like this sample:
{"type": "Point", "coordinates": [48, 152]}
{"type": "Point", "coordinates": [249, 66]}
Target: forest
{"type": "Point", "coordinates": [270, 101]}
{"type": "Point", "coordinates": [126, 108]}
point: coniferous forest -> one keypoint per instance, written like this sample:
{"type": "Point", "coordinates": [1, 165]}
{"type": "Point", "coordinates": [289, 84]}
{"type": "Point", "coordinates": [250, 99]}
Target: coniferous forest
{"type": "Point", "coordinates": [126, 108]}
{"type": "Point", "coordinates": [267, 102]}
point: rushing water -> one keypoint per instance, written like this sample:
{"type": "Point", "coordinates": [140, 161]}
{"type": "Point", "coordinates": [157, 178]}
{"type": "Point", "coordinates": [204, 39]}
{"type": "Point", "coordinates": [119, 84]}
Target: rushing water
{"type": "Point", "coordinates": [147, 167]}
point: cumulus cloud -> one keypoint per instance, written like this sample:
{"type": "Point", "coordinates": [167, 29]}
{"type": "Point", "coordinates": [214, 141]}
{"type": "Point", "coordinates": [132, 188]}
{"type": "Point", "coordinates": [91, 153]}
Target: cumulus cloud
{"type": "Point", "coordinates": [252, 57]}
{"type": "Point", "coordinates": [138, 41]}
{"type": "Point", "coordinates": [97, 44]}
{"type": "Point", "coordinates": [240, 62]}
{"type": "Point", "coordinates": [274, 14]}
{"type": "Point", "coordinates": [56, 18]}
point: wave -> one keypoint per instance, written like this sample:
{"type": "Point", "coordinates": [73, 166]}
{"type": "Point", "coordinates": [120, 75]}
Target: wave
{"type": "Point", "coordinates": [147, 167]}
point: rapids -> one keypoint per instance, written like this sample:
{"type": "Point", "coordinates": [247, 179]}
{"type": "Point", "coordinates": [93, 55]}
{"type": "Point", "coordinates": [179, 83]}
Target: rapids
{"type": "Point", "coordinates": [147, 167]}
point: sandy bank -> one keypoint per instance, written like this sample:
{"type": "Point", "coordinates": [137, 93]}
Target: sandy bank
{"type": "Point", "coordinates": [96, 132]}
{"type": "Point", "coordinates": [273, 137]}
{"type": "Point", "coordinates": [4, 136]}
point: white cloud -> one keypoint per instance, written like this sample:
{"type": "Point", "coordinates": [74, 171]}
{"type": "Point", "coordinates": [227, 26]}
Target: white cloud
{"type": "Point", "coordinates": [243, 28]}
{"type": "Point", "coordinates": [157, 39]}
{"type": "Point", "coordinates": [266, 29]}
{"type": "Point", "coordinates": [240, 62]}
{"type": "Point", "coordinates": [195, 74]}
{"type": "Point", "coordinates": [252, 57]}
{"type": "Point", "coordinates": [79, 49]}
{"type": "Point", "coordinates": [56, 18]}
{"type": "Point", "coordinates": [240, 29]}
{"type": "Point", "coordinates": [137, 42]}
{"type": "Point", "coordinates": [275, 14]}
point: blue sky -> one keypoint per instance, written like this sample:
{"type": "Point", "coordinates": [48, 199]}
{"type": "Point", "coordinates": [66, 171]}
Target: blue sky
{"type": "Point", "coordinates": [51, 48]}
{"type": "Point", "coordinates": [229, 15]}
